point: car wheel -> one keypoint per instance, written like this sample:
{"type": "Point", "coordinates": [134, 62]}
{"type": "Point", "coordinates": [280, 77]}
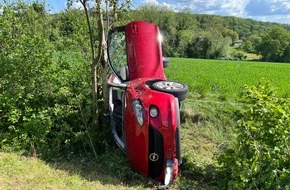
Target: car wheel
{"type": "Point", "coordinates": [177, 89]}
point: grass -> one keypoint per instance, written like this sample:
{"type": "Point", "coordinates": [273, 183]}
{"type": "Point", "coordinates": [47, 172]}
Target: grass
{"type": "Point", "coordinates": [18, 172]}
{"type": "Point", "coordinates": [252, 57]}
{"type": "Point", "coordinates": [227, 78]}
{"type": "Point", "coordinates": [29, 173]}
{"type": "Point", "coordinates": [208, 122]}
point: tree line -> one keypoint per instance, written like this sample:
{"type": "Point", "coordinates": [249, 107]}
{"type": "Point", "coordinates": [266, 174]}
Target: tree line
{"type": "Point", "coordinates": [211, 36]}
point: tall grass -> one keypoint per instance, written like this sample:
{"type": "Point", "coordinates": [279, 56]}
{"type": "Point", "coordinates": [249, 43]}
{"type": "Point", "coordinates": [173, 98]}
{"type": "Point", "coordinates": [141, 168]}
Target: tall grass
{"type": "Point", "coordinates": [226, 78]}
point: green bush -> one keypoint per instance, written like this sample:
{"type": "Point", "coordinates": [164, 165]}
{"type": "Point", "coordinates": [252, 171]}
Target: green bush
{"type": "Point", "coordinates": [238, 55]}
{"type": "Point", "coordinates": [260, 158]}
{"type": "Point", "coordinates": [24, 57]}
{"type": "Point", "coordinates": [45, 97]}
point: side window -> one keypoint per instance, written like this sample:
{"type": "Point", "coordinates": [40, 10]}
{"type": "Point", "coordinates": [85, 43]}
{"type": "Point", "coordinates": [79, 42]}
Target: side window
{"type": "Point", "coordinates": [117, 53]}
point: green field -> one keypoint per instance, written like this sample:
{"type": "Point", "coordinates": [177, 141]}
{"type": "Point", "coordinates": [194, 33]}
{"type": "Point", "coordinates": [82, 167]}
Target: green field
{"type": "Point", "coordinates": [208, 121]}
{"type": "Point", "coordinates": [227, 78]}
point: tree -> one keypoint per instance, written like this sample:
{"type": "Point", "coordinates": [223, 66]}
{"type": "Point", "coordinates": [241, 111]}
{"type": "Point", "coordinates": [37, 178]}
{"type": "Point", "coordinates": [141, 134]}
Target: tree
{"type": "Point", "coordinates": [39, 8]}
{"type": "Point", "coordinates": [230, 33]}
{"type": "Point", "coordinates": [286, 55]}
{"type": "Point", "coordinates": [198, 47]}
{"type": "Point", "coordinates": [96, 30]}
{"type": "Point", "coordinates": [186, 28]}
{"type": "Point", "coordinates": [99, 63]}
{"type": "Point", "coordinates": [149, 13]}
{"type": "Point", "coordinates": [183, 37]}
{"type": "Point", "coordinates": [274, 44]}
{"type": "Point", "coordinates": [255, 40]}
{"type": "Point", "coordinates": [219, 47]}
{"type": "Point", "coordinates": [69, 30]}
{"type": "Point", "coordinates": [247, 46]}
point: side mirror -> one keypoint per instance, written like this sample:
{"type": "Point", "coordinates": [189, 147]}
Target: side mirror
{"type": "Point", "coordinates": [165, 62]}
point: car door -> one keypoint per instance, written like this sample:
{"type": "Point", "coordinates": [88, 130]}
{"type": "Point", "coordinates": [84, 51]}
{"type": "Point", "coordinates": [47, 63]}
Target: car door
{"type": "Point", "coordinates": [118, 84]}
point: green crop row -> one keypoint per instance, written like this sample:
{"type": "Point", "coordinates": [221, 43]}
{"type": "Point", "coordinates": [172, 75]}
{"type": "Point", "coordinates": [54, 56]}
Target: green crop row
{"type": "Point", "coordinates": [227, 78]}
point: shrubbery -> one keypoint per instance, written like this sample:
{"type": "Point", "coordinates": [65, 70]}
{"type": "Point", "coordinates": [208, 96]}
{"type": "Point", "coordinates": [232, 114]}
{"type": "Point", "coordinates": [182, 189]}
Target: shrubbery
{"type": "Point", "coordinates": [260, 159]}
{"type": "Point", "coordinates": [45, 97]}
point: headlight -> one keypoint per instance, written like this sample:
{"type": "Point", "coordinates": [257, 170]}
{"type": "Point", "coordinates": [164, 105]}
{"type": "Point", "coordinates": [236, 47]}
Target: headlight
{"type": "Point", "coordinates": [153, 112]}
{"type": "Point", "coordinates": [138, 110]}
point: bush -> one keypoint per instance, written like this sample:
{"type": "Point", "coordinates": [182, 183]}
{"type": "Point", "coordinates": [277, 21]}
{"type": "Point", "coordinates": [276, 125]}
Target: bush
{"type": "Point", "coordinates": [45, 97]}
{"type": "Point", "coordinates": [260, 158]}
{"type": "Point", "coordinates": [238, 55]}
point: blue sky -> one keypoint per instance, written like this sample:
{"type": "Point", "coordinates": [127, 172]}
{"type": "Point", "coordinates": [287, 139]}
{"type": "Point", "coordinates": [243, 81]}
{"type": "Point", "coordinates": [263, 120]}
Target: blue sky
{"type": "Point", "coordinates": [263, 10]}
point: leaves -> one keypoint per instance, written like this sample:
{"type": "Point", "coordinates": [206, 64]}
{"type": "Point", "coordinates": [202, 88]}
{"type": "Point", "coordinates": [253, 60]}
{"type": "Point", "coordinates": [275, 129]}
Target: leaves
{"type": "Point", "coordinates": [273, 46]}
{"type": "Point", "coordinates": [261, 154]}
{"type": "Point", "coordinates": [44, 85]}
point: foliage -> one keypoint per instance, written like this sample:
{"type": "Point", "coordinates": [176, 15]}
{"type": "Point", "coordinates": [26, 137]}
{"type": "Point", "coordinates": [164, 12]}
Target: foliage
{"type": "Point", "coordinates": [24, 56]}
{"type": "Point", "coordinates": [247, 46]}
{"type": "Point", "coordinates": [238, 55]}
{"type": "Point", "coordinates": [209, 36]}
{"type": "Point", "coordinates": [68, 31]}
{"type": "Point", "coordinates": [45, 99]}
{"type": "Point", "coordinates": [275, 45]}
{"type": "Point", "coordinates": [260, 157]}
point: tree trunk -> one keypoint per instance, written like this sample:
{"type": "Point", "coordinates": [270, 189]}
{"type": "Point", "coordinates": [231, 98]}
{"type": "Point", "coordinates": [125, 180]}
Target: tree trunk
{"type": "Point", "coordinates": [94, 64]}
{"type": "Point", "coordinates": [103, 55]}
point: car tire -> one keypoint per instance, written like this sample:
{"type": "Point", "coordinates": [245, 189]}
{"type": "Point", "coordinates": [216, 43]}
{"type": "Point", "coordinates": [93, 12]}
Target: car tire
{"type": "Point", "coordinates": [177, 89]}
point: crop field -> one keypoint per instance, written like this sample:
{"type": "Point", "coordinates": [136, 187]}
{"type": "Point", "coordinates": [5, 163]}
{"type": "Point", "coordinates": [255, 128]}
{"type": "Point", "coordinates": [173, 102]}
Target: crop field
{"type": "Point", "coordinates": [227, 78]}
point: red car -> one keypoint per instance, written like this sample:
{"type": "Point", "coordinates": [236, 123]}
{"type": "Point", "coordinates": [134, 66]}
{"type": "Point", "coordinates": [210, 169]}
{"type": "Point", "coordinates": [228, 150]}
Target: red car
{"type": "Point", "coordinates": [144, 106]}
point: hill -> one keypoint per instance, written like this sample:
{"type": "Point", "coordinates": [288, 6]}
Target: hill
{"type": "Point", "coordinates": [210, 36]}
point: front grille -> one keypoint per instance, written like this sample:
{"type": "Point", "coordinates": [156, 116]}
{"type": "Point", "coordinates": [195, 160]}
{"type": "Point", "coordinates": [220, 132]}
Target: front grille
{"type": "Point", "coordinates": [156, 153]}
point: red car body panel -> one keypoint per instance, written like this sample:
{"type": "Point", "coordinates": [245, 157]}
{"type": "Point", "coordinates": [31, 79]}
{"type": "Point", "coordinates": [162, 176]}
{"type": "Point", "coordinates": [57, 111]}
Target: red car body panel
{"type": "Point", "coordinates": [144, 53]}
{"type": "Point", "coordinates": [137, 138]}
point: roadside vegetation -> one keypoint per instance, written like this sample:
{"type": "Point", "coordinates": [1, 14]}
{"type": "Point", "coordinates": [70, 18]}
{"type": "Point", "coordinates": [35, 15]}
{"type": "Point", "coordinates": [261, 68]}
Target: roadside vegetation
{"type": "Point", "coordinates": [46, 128]}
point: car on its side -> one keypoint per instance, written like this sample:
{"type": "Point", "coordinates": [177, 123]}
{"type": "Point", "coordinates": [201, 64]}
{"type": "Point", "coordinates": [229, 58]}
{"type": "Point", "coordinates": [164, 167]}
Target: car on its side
{"type": "Point", "coordinates": [144, 106]}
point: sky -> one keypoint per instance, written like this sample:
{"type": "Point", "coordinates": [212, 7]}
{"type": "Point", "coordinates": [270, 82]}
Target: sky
{"type": "Point", "coordinates": [262, 10]}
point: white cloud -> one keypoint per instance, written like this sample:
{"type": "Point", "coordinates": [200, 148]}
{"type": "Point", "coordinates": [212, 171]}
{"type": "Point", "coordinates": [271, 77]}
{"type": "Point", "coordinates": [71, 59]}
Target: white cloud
{"type": "Point", "coordinates": [77, 5]}
{"type": "Point", "coordinates": [227, 7]}
{"type": "Point", "coordinates": [151, 2]}
{"type": "Point", "coordinates": [266, 10]}
{"type": "Point", "coordinates": [284, 19]}
{"type": "Point", "coordinates": [155, 2]}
